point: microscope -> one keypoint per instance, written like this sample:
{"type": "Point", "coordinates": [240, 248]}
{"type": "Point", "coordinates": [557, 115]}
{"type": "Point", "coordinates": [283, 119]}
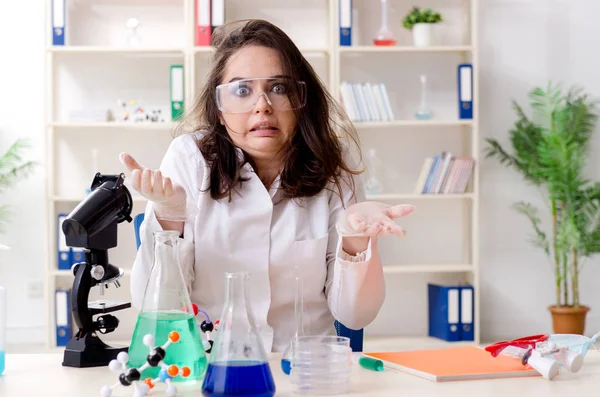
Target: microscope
{"type": "Point", "coordinates": [92, 225]}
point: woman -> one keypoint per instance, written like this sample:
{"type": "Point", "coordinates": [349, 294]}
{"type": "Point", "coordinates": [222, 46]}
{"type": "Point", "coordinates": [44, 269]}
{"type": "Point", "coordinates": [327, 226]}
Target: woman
{"type": "Point", "coordinates": [264, 184]}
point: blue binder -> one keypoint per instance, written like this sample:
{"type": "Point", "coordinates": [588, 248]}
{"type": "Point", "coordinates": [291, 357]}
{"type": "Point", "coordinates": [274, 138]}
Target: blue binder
{"type": "Point", "coordinates": [444, 312]}
{"type": "Point", "coordinates": [467, 313]}
{"type": "Point", "coordinates": [64, 323]}
{"type": "Point", "coordinates": [345, 22]}
{"type": "Point", "coordinates": [59, 14]}
{"type": "Point", "coordinates": [65, 253]}
{"type": "Point", "coordinates": [465, 91]}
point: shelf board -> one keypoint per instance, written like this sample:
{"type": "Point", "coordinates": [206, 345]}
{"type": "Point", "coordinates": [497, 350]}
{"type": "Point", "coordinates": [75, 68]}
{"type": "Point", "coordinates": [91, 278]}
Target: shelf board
{"type": "Point", "coordinates": [412, 123]}
{"type": "Point", "coordinates": [423, 268]}
{"type": "Point", "coordinates": [116, 125]}
{"type": "Point", "coordinates": [116, 50]}
{"type": "Point", "coordinates": [403, 343]}
{"type": "Point", "coordinates": [373, 48]}
{"type": "Point", "coordinates": [306, 50]}
{"type": "Point", "coordinates": [68, 273]}
{"type": "Point", "coordinates": [77, 199]}
{"type": "Point", "coordinates": [409, 196]}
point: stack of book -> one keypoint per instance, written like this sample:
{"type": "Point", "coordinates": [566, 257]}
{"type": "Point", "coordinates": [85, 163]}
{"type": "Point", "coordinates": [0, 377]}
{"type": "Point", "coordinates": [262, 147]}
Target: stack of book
{"type": "Point", "coordinates": [445, 174]}
{"type": "Point", "coordinates": [366, 101]}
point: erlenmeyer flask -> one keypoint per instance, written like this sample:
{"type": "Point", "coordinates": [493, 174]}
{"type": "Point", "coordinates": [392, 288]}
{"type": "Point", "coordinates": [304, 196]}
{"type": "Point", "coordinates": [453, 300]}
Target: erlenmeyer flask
{"type": "Point", "coordinates": [167, 307]}
{"type": "Point", "coordinates": [384, 36]}
{"type": "Point", "coordinates": [238, 364]}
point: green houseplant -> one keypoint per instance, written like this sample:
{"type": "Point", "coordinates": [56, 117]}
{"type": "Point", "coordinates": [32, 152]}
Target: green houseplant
{"type": "Point", "coordinates": [13, 168]}
{"type": "Point", "coordinates": [420, 22]}
{"type": "Point", "coordinates": [550, 150]}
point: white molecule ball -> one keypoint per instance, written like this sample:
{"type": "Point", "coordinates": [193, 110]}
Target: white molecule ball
{"type": "Point", "coordinates": [105, 391]}
{"type": "Point", "coordinates": [114, 366]}
{"type": "Point", "coordinates": [149, 340]}
{"type": "Point", "coordinates": [123, 357]}
{"type": "Point", "coordinates": [171, 390]}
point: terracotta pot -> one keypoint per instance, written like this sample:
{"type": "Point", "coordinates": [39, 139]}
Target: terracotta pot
{"type": "Point", "coordinates": [568, 320]}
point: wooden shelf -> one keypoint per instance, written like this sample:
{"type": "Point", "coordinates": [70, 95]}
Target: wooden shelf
{"type": "Point", "coordinates": [115, 125]}
{"type": "Point", "coordinates": [77, 199]}
{"type": "Point", "coordinates": [437, 268]}
{"type": "Point", "coordinates": [412, 123]}
{"type": "Point", "coordinates": [387, 49]}
{"type": "Point", "coordinates": [409, 196]}
{"type": "Point", "coordinates": [115, 50]}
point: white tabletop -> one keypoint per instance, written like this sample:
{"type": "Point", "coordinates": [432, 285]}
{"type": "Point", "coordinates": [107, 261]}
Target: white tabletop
{"type": "Point", "coordinates": [43, 375]}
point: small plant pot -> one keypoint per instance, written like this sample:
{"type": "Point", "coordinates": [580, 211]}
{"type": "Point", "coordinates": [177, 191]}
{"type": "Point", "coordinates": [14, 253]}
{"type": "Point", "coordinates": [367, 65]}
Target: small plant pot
{"type": "Point", "coordinates": [422, 34]}
{"type": "Point", "coordinates": [568, 320]}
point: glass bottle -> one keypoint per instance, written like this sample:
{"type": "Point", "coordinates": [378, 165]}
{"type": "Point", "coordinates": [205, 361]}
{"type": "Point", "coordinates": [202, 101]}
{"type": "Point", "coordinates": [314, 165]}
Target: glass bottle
{"type": "Point", "coordinates": [384, 36]}
{"type": "Point", "coordinates": [423, 113]}
{"type": "Point", "coordinates": [238, 364]}
{"type": "Point", "coordinates": [3, 315]}
{"type": "Point", "coordinates": [167, 307]}
{"type": "Point", "coordinates": [373, 185]}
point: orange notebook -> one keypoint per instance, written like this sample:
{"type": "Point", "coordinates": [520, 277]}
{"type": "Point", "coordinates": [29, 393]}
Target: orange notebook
{"type": "Point", "coordinates": [454, 363]}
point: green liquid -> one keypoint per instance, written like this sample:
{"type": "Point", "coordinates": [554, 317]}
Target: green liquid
{"type": "Point", "coordinates": [188, 351]}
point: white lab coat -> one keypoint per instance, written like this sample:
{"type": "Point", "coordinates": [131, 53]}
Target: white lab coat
{"type": "Point", "coordinates": [253, 234]}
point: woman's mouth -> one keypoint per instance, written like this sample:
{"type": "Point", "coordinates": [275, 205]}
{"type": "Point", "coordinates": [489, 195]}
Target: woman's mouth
{"type": "Point", "coordinates": [264, 129]}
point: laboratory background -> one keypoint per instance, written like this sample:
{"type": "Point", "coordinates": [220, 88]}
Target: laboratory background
{"type": "Point", "coordinates": [480, 113]}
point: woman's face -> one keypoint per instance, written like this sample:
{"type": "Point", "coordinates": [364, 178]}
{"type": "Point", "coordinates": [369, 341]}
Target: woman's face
{"type": "Point", "coordinates": [259, 128]}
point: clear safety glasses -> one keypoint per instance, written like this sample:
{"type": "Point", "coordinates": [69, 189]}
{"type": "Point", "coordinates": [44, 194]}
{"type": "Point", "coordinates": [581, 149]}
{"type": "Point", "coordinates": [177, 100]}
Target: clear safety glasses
{"type": "Point", "coordinates": [241, 96]}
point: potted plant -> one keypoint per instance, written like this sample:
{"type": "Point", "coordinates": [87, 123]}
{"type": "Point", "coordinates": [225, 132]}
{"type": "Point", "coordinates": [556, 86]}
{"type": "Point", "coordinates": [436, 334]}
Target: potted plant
{"type": "Point", "coordinates": [420, 22]}
{"type": "Point", "coordinates": [550, 150]}
{"type": "Point", "coordinates": [12, 169]}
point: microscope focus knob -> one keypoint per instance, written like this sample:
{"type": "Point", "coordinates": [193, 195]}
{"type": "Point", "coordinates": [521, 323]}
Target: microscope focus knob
{"type": "Point", "coordinates": [97, 272]}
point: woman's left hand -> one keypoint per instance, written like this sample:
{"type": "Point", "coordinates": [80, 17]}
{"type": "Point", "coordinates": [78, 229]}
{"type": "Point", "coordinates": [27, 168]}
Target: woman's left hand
{"type": "Point", "coordinates": [373, 219]}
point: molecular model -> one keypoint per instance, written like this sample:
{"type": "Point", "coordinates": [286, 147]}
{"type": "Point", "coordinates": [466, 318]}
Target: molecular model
{"type": "Point", "coordinates": [155, 358]}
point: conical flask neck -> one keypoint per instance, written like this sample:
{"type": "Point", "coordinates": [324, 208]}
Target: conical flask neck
{"type": "Point", "coordinates": [236, 290]}
{"type": "Point", "coordinates": [166, 290]}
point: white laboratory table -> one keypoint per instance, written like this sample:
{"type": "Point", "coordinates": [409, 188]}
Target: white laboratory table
{"type": "Point", "coordinates": [43, 375]}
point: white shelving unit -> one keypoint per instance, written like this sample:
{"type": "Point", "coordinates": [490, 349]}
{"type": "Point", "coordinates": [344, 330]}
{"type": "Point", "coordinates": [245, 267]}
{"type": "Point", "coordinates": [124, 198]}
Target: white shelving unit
{"type": "Point", "coordinates": [95, 68]}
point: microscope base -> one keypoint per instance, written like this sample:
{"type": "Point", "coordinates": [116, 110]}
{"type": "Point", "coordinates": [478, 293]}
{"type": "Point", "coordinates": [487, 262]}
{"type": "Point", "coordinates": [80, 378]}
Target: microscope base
{"type": "Point", "coordinates": [90, 351]}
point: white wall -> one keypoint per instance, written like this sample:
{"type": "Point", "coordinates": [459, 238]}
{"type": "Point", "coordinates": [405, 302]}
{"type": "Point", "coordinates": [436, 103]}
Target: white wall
{"type": "Point", "coordinates": [22, 116]}
{"type": "Point", "coordinates": [525, 43]}
{"type": "Point", "coordinates": [521, 42]}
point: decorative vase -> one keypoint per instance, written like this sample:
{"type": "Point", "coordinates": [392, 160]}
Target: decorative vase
{"type": "Point", "coordinates": [568, 320]}
{"type": "Point", "coordinates": [422, 34]}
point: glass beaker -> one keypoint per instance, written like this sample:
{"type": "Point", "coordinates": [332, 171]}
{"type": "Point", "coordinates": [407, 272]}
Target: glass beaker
{"type": "Point", "coordinates": [423, 112]}
{"type": "Point", "coordinates": [167, 307]}
{"type": "Point", "coordinates": [238, 364]}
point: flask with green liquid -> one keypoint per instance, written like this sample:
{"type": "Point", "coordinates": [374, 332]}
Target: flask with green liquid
{"type": "Point", "coordinates": [167, 307]}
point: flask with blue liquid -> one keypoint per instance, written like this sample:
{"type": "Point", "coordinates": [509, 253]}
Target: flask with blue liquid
{"type": "Point", "coordinates": [3, 309]}
{"type": "Point", "coordinates": [238, 364]}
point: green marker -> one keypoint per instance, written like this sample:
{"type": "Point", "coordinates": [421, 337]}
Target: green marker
{"type": "Point", "coordinates": [371, 363]}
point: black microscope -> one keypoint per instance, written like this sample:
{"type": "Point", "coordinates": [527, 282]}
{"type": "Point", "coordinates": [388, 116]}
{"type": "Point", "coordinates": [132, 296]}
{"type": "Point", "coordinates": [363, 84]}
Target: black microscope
{"type": "Point", "coordinates": [92, 225]}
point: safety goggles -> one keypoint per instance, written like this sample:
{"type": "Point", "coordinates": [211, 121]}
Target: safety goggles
{"type": "Point", "coordinates": [241, 96]}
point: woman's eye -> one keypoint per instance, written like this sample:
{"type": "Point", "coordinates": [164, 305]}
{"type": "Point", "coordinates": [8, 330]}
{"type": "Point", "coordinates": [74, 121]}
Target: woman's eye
{"type": "Point", "coordinates": [279, 89]}
{"type": "Point", "coordinates": [242, 91]}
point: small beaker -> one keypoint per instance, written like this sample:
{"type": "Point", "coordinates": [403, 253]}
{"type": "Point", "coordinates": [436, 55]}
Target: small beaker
{"type": "Point", "coordinates": [167, 307]}
{"type": "Point", "coordinates": [238, 364]}
{"type": "Point", "coordinates": [321, 365]}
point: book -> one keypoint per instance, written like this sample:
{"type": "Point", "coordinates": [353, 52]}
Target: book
{"type": "Point", "coordinates": [454, 364]}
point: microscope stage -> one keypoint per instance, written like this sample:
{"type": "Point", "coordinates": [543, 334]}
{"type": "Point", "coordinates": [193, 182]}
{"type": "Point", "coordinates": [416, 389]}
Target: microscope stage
{"type": "Point", "coordinates": [107, 306]}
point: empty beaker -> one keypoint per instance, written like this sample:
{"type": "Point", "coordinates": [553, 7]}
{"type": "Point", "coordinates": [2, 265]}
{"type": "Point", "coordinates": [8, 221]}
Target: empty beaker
{"type": "Point", "coordinates": [238, 364]}
{"type": "Point", "coordinates": [167, 307]}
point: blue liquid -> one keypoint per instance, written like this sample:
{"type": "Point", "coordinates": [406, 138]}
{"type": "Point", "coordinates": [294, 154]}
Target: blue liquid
{"type": "Point", "coordinates": [286, 366]}
{"type": "Point", "coordinates": [238, 378]}
{"type": "Point", "coordinates": [1, 362]}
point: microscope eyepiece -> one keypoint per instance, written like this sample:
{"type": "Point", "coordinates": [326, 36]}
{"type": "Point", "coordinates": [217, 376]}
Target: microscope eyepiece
{"type": "Point", "coordinates": [93, 223]}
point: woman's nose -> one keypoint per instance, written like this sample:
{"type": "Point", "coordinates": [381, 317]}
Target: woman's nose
{"type": "Point", "coordinates": [262, 104]}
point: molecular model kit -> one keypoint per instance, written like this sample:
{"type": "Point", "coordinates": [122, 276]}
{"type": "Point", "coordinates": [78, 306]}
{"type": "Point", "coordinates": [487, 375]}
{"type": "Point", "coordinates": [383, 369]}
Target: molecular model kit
{"type": "Point", "coordinates": [132, 376]}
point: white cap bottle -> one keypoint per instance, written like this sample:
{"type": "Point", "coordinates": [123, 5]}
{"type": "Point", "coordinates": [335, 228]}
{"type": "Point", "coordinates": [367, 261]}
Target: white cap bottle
{"type": "Point", "coordinates": [3, 309]}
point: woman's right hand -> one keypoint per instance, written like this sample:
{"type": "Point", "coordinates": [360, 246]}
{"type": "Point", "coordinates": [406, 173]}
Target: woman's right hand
{"type": "Point", "coordinates": [169, 198]}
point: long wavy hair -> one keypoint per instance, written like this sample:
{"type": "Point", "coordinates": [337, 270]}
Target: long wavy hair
{"type": "Point", "coordinates": [315, 157]}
